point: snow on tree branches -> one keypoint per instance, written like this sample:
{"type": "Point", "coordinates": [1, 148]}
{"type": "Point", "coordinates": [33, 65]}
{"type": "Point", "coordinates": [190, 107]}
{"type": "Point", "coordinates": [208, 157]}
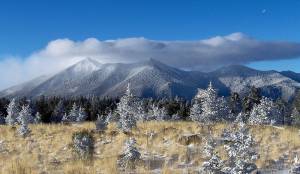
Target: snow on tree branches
{"type": "Point", "coordinates": [266, 112]}
{"type": "Point", "coordinates": [126, 109]}
{"type": "Point", "coordinates": [12, 111]}
{"type": "Point", "coordinates": [24, 119]}
{"type": "Point", "coordinates": [83, 144]}
{"type": "Point", "coordinates": [75, 115]}
{"type": "Point", "coordinates": [295, 115]}
{"type": "Point", "coordinates": [214, 164]}
{"type": "Point", "coordinates": [241, 151]}
{"type": "Point", "coordinates": [130, 155]}
{"type": "Point", "coordinates": [208, 107]}
{"type": "Point", "coordinates": [157, 113]}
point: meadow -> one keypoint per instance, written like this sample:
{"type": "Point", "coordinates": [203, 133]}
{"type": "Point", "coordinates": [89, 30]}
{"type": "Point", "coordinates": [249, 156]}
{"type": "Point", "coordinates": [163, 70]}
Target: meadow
{"type": "Point", "coordinates": [165, 147]}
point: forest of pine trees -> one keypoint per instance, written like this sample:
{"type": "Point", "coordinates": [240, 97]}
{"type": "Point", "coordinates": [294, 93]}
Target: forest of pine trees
{"type": "Point", "coordinates": [207, 106]}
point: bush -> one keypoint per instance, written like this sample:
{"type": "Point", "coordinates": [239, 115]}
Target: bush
{"type": "Point", "coordinates": [83, 144]}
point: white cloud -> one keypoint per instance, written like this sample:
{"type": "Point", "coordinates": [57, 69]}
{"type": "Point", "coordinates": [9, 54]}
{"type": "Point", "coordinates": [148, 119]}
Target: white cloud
{"type": "Point", "coordinates": [204, 55]}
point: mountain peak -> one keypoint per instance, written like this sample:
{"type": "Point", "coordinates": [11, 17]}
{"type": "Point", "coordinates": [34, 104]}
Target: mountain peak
{"type": "Point", "coordinates": [86, 65]}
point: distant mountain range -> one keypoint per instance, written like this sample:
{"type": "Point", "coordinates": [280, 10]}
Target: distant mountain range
{"type": "Point", "coordinates": [154, 79]}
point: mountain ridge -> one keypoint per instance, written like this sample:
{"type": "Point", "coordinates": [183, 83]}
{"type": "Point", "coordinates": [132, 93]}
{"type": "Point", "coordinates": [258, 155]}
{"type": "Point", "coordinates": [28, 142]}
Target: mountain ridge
{"type": "Point", "coordinates": [153, 79]}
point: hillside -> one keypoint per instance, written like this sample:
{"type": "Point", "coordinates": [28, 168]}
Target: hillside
{"type": "Point", "coordinates": [153, 79]}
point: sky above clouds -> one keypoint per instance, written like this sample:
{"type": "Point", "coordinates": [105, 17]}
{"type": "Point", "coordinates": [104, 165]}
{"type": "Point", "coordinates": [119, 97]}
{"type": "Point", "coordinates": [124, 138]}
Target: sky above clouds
{"type": "Point", "coordinates": [44, 37]}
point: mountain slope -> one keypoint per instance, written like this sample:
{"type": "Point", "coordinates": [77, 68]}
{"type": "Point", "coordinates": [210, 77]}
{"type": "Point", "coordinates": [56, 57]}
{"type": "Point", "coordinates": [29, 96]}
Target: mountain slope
{"type": "Point", "coordinates": [153, 79]}
{"type": "Point", "coordinates": [240, 78]}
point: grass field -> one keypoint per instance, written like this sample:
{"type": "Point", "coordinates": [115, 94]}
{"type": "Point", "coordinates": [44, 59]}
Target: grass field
{"type": "Point", "coordinates": [168, 147]}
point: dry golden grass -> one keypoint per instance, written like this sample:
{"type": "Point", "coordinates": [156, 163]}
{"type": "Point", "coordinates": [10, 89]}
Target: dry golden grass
{"type": "Point", "coordinates": [47, 149]}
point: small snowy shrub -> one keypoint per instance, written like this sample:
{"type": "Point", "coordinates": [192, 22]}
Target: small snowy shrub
{"type": "Point", "coordinates": [130, 155]}
{"type": "Point", "coordinates": [83, 144]}
{"type": "Point", "coordinates": [37, 118]}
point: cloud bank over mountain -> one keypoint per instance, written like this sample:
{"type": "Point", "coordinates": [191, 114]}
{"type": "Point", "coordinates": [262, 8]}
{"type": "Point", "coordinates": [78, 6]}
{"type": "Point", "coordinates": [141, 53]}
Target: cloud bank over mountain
{"type": "Point", "coordinates": [203, 55]}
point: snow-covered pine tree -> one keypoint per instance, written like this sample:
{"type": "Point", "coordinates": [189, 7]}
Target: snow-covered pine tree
{"type": "Point", "coordinates": [37, 118]}
{"type": "Point", "coordinates": [58, 113]}
{"type": "Point", "coordinates": [12, 113]}
{"type": "Point", "coordinates": [267, 112]}
{"type": "Point", "coordinates": [295, 168]}
{"type": "Point", "coordinates": [208, 107]}
{"type": "Point", "coordinates": [24, 119]}
{"type": "Point", "coordinates": [213, 164]}
{"type": "Point", "coordinates": [73, 114]}
{"type": "Point", "coordinates": [25, 115]}
{"type": "Point", "coordinates": [196, 110]}
{"type": "Point", "coordinates": [157, 113]}
{"type": "Point", "coordinates": [295, 115]}
{"type": "Point", "coordinates": [130, 155]}
{"type": "Point", "coordinates": [81, 116]}
{"type": "Point", "coordinates": [101, 123]}
{"type": "Point", "coordinates": [126, 109]}
{"type": "Point", "coordinates": [241, 152]}
{"type": "Point", "coordinates": [140, 111]}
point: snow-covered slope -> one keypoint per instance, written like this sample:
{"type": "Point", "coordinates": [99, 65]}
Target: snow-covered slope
{"type": "Point", "coordinates": [152, 79]}
{"type": "Point", "coordinates": [272, 83]}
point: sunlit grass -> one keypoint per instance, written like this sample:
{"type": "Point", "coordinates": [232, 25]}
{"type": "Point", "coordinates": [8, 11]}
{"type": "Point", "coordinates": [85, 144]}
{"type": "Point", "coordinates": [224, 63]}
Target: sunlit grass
{"type": "Point", "coordinates": [47, 149]}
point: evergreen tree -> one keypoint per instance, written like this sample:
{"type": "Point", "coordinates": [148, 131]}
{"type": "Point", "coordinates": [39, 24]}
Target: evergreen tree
{"type": "Point", "coordinates": [126, 109]}
{"type": "Point", "coordinates": [12, 111]}
{"type": "Point", "coordinates": [241, 152]}
{"type": "Point", "coordinates": [82, 116]}
{"type": "Point", "coordinates": [252, 99]}
{"type": "Point", "coordinates": [83, 144]}
{"type": "Point", "coordinates": [58, 112]}
{"type": "Point", "coordinates": [208, 107]}
{"type": "Point", "coordinates": [24, 119]}
{"type": "Point", "coordinates": [141, 113]}
{"type": "Point", "coordinates": [213, 164]}
{"type": "Point", "coordinates": [295, 116]}
{"type": "Point", "coordinates": [266, 112]}
{"type": "Point", "coordinates": [235, 104]}
{"type": "Point", "coordinates": [158, 114]}
{"type": "Point", "coordinates": [73, 114]}
{"type": "Point", "coordinates": [130, 155]}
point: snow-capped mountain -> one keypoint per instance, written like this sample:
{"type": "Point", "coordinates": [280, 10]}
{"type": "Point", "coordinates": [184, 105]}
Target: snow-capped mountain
{"type": "Point", "coordinates": [152, 79]}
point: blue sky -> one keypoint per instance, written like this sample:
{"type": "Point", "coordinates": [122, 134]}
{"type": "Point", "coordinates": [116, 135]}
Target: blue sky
{"type": "Point", "coordinates": [26, 27]}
